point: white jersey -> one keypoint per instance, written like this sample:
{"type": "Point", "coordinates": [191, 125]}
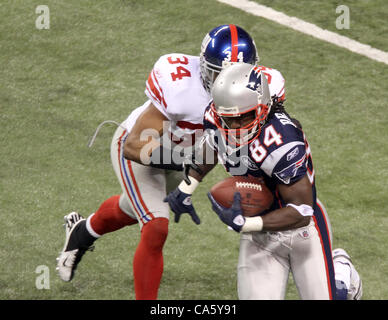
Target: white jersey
{"type": "Point", "coordinates": [175, 88]}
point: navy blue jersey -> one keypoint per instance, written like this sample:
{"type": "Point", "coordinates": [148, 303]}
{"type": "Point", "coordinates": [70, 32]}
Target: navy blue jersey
{"type": "Point", "coordinates": [280, 154]}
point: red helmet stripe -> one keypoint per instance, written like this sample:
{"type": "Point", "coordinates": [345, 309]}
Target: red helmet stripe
{"type": "Point", "coordinates": [234, 40]}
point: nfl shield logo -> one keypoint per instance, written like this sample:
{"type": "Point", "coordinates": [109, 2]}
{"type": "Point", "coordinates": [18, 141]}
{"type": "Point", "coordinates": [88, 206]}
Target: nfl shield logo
{"type": "Point", "coordinates": [304, 234]}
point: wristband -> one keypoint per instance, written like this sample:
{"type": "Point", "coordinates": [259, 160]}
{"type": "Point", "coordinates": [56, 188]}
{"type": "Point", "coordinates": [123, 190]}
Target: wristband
{"type": "Point", "coordinates": [188, 188]}
{"type": "Point", "coordinates": [303, 209]}
{"type": "Point", "coordinates": [252, 224]}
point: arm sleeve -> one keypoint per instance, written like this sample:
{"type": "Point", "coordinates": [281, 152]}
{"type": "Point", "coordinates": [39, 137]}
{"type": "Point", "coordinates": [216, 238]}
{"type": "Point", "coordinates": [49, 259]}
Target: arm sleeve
{"type": "Point", "coordinates": [291, 166]}
{"type": "Point", "coordinates": [286, 164]}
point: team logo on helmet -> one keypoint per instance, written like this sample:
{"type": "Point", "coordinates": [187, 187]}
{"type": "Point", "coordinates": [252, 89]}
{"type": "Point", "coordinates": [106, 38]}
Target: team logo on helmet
{"type": "Point", "coordinates": [255, 81]}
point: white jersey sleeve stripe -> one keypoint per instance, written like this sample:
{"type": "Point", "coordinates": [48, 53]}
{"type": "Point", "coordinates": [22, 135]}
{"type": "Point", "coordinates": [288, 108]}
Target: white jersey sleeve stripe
{"type": "Point", "coordinates": [273, 158]}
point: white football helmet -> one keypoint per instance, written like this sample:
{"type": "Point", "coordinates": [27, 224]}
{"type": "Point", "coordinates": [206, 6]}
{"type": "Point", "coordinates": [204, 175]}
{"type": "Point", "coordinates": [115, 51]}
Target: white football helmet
{"type": "Point", "coordinates": [241, 91]}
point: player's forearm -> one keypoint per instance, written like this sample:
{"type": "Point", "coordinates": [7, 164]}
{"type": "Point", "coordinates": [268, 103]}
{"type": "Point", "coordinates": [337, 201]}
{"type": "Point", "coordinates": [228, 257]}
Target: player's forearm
{"type": "Point", "coordinates": [278, 220]}
{"type": "Point", "coordinates": [205, 159]}
{"type": "Point", "coordinates": [298, 210]}
{"type": "Point", "coordinates": [286, 218]}
{"type": "Point", "coordinates": [204, 169]}
{"type": "Point", "coordinates": [139, 151]}
{"type": "Point", "coordinates": [154, 154]}
{"type": "Point", "coordinates": [194, 178]}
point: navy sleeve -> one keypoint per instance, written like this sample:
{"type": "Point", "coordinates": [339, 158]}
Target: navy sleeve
{"type": "Point", "coordinates": [292, 165]}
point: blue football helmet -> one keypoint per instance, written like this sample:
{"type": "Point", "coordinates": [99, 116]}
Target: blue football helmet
{"type": "Point", "coordinates": [223, 46]}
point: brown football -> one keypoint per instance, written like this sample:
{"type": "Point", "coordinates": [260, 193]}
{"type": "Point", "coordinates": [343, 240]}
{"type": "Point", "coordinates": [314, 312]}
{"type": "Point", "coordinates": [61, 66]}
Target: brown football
{"type": "Point", "coordinates": [255, 195]}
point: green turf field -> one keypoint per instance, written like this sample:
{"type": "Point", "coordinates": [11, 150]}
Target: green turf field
{"type": "Point", "coordinates": [57, 85]}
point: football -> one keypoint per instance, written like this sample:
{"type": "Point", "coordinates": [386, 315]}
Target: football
{"type": "Point", "coordinates": [255, 195]}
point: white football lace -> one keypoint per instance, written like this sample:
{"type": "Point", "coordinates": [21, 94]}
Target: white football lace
{"type": "Point", "coordinates": [248, 185]}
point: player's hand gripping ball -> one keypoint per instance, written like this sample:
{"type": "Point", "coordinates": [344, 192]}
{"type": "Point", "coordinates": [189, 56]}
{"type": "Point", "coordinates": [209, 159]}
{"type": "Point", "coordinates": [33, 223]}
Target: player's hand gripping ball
{"type": "Point", "coordinates": [255, 195]}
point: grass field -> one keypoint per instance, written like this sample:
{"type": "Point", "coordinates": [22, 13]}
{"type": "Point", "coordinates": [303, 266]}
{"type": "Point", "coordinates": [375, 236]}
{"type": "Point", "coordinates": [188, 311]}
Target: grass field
{"type": "Point", "coordinates": [57, 85]}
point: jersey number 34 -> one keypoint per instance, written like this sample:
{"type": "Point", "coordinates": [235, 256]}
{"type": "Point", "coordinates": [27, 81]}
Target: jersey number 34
{"type": "Point", "coordinates": [180, 70]}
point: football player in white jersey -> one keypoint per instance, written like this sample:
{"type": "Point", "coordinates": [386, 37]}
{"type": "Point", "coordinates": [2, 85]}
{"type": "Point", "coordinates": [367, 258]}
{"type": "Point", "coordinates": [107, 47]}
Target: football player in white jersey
{"type": "Point", "coordinates": [145, 161]}
{"type": "Point", "coordinates": [247, 120]}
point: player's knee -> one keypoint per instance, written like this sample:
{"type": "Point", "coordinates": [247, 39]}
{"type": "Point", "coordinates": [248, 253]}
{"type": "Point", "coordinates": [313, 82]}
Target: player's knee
{"type": "Point", "coordinates": [154, 233]}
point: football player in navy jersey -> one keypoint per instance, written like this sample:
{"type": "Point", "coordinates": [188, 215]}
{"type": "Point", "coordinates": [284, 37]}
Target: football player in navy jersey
{"type": "Point", "coordinates": [251, 134]}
